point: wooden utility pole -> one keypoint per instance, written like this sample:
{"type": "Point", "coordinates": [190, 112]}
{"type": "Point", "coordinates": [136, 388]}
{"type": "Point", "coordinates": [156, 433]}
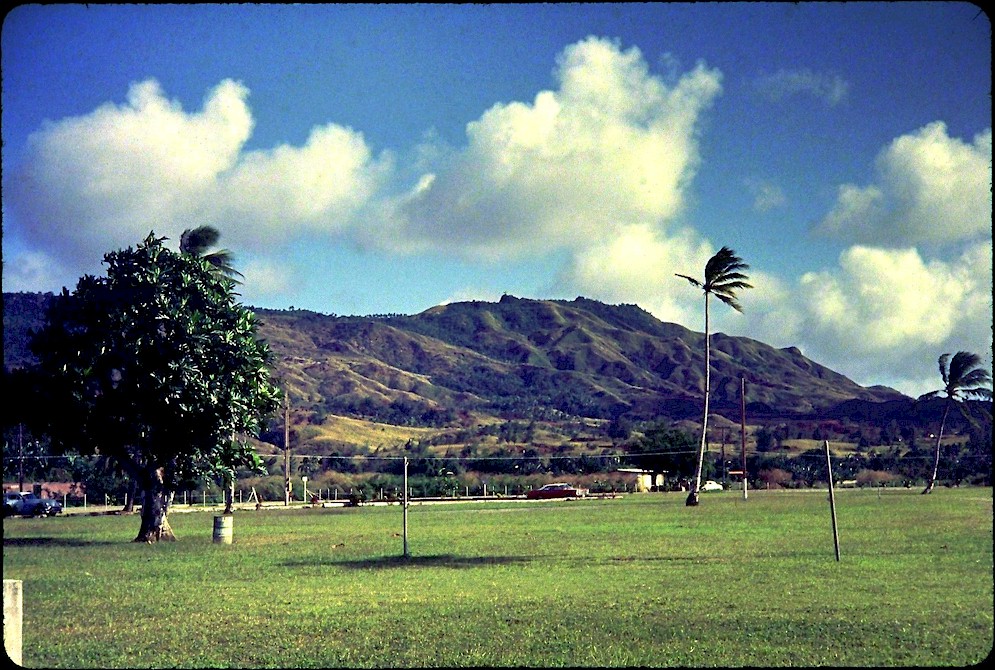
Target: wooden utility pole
{"type": "Point", "coordinates": [742, 427]}
{"type": "Point", "coordinates": [20, 457]}
{"type": "Point", "coordinates": [832, 502]}
{"type": "Point", "coordinates": [407, 553]}
{"type": "Point", "coordinates": [725, 476]}
{"type": "Point", "coordinates": [286, 448]}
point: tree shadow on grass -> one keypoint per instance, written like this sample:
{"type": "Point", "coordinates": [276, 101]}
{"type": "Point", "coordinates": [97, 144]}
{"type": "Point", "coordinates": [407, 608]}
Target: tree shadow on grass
{"type": "Point", "coordinates": [434, 561]}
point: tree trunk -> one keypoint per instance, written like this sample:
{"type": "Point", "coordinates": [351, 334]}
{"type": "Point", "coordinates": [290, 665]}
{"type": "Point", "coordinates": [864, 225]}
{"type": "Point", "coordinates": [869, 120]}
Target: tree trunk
{"type": "Point", "coordinates": [692, 498]}
{"type": "Point", "coordinates": [155, 507]}
{"type": "Point", "coordinates": [129, 504]}
{"type": "Point", "coordinates": [936, 460]}
{"type": "Point", "coordinates": [229, 495]}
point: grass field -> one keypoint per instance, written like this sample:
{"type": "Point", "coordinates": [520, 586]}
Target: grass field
{"type": "Point", "coordinates": [636, 581]}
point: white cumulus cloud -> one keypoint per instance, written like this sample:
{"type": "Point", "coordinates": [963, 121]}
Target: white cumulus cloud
{"type": "Point", "coordinates": [612, 147]}
{"type": "Point", "coordinates": [102, 181]}
{"type": "Point", "coordinates": [638, 265]}
{"type": "Point", "coordinates": [917, 279]}
{"type": "Point", "coordinates": [882, 299]}
{"type": "Point", "coordinates": [319, 187]}
{"type": "Point", "coordinates": [883, 315]}
{"type": "Point", "coordinates": [929, 188]}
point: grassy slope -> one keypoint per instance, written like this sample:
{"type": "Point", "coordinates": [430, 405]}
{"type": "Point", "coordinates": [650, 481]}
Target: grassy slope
{"type": "Point", "coordinates": [635, 581]}
{"type": "Point", "coordinates": [362, 432]}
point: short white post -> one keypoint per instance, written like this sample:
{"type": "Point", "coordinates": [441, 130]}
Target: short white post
{"type": "Point", "coordinates": [13, 617]}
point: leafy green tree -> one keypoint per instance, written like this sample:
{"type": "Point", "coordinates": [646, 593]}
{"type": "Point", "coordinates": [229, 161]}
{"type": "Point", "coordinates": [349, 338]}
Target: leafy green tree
{"type": "Point", "coordinates": [722, 279]}
{"type": "Point", "coordinates": [765, 440]}
{"type": "Point", "coordinates": [197, 242]}
{"type": "Point", "coordinates": [22, 425]}
{"type": "Point", "coordinates": [963, 377]}
{"type": "Point", "coordinates": [663, 450]}
{"type": "Point", "coordinates": [158, 366]}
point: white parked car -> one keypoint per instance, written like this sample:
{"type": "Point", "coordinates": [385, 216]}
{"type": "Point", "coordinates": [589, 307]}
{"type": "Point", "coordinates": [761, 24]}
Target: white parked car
{"type": "Point", "coordinates": [711, 486]}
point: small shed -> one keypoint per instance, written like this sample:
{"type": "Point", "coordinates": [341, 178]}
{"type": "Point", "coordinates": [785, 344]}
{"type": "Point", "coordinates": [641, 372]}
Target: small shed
{"type": "Point", "coordinates": [646, 480]}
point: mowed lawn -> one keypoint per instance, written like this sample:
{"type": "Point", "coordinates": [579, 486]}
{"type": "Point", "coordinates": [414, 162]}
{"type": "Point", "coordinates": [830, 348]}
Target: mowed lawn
{"type": "Point", "coordinates": [636, 581]}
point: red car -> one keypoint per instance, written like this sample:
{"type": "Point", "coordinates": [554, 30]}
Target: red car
{"type": "Point", "coordinates": [559, 490]}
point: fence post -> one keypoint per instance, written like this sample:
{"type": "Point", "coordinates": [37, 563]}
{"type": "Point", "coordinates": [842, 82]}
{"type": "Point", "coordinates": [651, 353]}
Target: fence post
{"type": "Point", "coordinates": [832, 502]}
{"type": "Point", "coordinates": [13, 616]}
{"type": "Point", "coordinates": [407, 553]}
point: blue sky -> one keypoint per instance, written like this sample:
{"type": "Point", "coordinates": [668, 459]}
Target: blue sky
{"type": "Point", "coordinates": [387, 158]}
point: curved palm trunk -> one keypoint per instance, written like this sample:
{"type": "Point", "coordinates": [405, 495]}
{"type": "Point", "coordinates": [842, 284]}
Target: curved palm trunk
{"type": "Point", "coordinates": [155, 507]}
{"type": "Point", "coordinates": [692, 498]}
{"type": "Point", "coordinates": [936, 460]}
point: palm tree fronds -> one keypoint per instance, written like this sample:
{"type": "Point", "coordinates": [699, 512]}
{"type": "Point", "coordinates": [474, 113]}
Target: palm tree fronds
{"type": "Point", "coordinates": [733, 275]}
{"type": "Point", "coordinates": [729, 300]}
{"type": "Point", "coordinates": [724, 262]}
{"type": "Point", "coordinates": [980, 394]}
{"type": "Point", "coordinates": [726, 287]}
{"type": "Point", "coordinates": [943, 363]}
{"type": "Point", "coordinates": [976, 377]}
{"type": "Point", "coordinates": [962, 363]}
{"type": "Point", "coordinates": [693, 281]}
{"type": "Point", "coordinates": [222, 261]}
{"type": "Point", "coordinates": [198, 240]}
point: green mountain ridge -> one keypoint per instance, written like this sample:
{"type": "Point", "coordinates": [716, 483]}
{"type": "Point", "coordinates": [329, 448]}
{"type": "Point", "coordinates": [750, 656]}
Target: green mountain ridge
{"type": "Point", "coordinates": [579, 357]}
{"type": "Point", "coordinates": [518, 357]}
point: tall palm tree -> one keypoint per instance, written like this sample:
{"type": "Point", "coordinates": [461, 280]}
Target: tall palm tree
{"type": "Point", "coordinates": [198, 241]}
{"type": "Point", "coordinates": [963, 377]}
{"type": "Point", "coordinates": [722, 279]}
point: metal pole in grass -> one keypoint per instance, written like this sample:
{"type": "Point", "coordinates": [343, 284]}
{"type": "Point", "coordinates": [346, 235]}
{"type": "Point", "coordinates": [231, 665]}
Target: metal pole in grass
{"type": "Point", "coordinates": [742, 428]}
{"type": "Point", "coordinates": [407, 554]}
{"type": "Point", "coordinates": [286, 448]}
{"type": "Point", "coordinates": [832, 502]}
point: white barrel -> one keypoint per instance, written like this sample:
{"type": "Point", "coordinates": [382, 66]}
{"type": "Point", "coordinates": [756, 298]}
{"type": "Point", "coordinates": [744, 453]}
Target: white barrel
{"type": "Point", "coordinates": [223, 528]}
